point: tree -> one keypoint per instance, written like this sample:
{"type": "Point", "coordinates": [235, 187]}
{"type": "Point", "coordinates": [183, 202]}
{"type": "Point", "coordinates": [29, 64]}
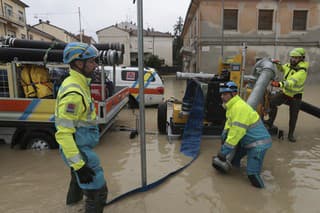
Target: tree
{"type": "Point", "coordinates": [153, 61]}
{"type": "Point", "coordinates": [177, 42]}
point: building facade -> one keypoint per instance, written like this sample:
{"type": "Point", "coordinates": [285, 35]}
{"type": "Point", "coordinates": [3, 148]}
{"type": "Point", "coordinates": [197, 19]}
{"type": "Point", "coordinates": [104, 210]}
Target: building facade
{"type": "Point", "coordinates": [13, 19]}
{"type": "Point", "coordinates": [59, 33]}
{"type": "Point", "coordinates": [155, 43]}
{"type": "Point", "coordinates": [36, 34]}
{"type": "Point", "coordinates": [216, 29]}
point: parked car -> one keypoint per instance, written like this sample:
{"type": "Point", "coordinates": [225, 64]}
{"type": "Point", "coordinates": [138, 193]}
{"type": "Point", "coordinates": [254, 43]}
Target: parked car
{"type": "Point", "coordinates": [129, 77]}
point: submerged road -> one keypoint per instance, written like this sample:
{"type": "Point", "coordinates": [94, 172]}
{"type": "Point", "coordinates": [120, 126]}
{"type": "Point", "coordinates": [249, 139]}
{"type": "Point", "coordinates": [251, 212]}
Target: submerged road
{"type": "Point", "coordinates": [36, 182]}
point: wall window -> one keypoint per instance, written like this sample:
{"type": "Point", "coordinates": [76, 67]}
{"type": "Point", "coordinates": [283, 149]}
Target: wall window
{"type": "Point", "coordinates": [23, 36]}
{"type": "Point", "coordinates": [299, 20]}
{"type": "Point", "coordinates": [11, 33]}
{"type": "Point", "coordinates": [30, 37]}
{"type": "Point", "coordinates": [230, 19]}
{"type": "Point", "coordinates": [265, 20]}
{"type": "Point", "coordinates": [20, 16]}
{"type": "Point", "coordinates": [8, 10]}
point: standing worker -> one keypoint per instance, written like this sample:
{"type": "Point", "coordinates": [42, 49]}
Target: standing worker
{"type": "Point", "coordinates": [244, 134]}
{"type": "Point", "coordinates": [292, 85]}
{"type": "Point", "coordinates": [77, 130]}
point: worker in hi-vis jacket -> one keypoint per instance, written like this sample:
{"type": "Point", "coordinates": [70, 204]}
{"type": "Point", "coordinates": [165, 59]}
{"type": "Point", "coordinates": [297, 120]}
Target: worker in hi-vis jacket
{"type": "Point", "coordinates": [244, 134]}
{"type": "Point", "coordinates": [292, 86]}
{"type": "Point", "coordinates": [77, 130]}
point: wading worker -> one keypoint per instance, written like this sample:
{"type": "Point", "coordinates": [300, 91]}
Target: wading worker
{"type": "Point", "coordinates": [77, 131]}
{"type": "Point", "coordinates": [292, 85]}
{"type": "Point", "coordinates": [244, 134]}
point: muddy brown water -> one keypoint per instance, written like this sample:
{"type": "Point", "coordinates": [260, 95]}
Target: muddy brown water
{"type": "Point", "coordinates": [36, 182]}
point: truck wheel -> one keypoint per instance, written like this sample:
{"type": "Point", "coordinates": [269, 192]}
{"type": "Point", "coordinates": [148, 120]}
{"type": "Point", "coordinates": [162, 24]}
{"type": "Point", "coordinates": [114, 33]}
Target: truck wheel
{"type": "Point", "coordinates": [39, 141]}
{"type": "Point", "coordinates": [162, 118]}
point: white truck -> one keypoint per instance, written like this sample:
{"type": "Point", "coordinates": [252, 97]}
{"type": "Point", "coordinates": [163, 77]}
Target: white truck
{"type": "Point", "coordinates": [27, 120]}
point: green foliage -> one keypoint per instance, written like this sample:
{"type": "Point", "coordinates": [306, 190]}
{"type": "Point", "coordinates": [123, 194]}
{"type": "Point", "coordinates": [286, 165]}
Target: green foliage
{"type": "Point", "coordinates": [177, 42]}
{"type": "Point", "coordinates": [153, 61]}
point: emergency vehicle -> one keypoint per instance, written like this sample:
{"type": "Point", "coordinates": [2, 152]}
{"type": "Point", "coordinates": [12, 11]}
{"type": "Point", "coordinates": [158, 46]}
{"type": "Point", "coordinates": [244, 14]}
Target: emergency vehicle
{"type": "Point", "coordinates": [27, 103]}
{"type": "Point", "coordinates": [128, 77]}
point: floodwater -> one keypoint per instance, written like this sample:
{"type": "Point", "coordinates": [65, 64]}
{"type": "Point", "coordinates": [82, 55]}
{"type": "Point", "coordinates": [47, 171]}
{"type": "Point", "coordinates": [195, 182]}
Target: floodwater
{"type": "Point", "coordinates": [37, 182]}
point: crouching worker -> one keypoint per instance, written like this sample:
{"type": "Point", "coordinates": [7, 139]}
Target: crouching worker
{"type": "Point", "coordinates": [77, 130]}
{"type": "Point", "coordinates": [244, 134]}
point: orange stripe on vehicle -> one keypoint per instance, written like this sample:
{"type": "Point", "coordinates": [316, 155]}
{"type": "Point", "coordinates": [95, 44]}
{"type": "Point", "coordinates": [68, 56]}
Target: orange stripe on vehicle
{"type": "Point", "coordinates": [14, 105]}
{"type": "Point", "coordinates": [115, 100]}
{"type": "Point", "coordinates": [146, 91]}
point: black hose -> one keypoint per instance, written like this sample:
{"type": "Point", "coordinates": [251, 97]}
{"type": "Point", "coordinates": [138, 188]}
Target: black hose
{"type": "Point", "coordinates": [310, 109]}
{"type": "Point", "coordinates": [27, 54]}
{"type": "Point", "coordinates": [22, 43]}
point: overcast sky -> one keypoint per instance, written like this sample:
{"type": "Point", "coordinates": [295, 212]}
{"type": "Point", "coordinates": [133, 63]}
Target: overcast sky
{"type": "Point", "coordinates": [161, 15]}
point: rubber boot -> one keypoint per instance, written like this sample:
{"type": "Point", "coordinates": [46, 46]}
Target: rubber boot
{"type": "Point", "coordinates": [75, 193]}
{"type": "Point", "coordinates": [294, 111]}
{"type": "Point", "coordinates": [103, 195]}
{"type": "Point", "coordinates": [272, 116]}
{"type": "Point", "coordinates": [291, 138]}
{"type": "Point", "coordinates": [96, 200]}
{"type": "Point", "coordinates": [256, 180]}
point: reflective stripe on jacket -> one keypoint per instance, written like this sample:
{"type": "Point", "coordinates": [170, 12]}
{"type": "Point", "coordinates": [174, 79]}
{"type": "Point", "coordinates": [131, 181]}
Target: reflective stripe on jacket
{"type": "Point", "coordinates": [294, 78]}
{"type": "Point", "coordinates": [74, 110]}
{"type": "Point", "coordinates": [243, 124]}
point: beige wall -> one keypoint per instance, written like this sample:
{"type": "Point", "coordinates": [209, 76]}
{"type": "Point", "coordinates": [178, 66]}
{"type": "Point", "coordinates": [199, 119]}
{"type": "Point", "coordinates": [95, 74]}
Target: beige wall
{"type": "Point", "coordinates": [15, 23]}
{"type": "Point", "coordinates": [38, 37]}
{"type": "Point", "coordinates": [161, 46]}
{"type": "Point", "coordinates": [54, 31]}
{"type": "Point", "coordinates": [202, 34]}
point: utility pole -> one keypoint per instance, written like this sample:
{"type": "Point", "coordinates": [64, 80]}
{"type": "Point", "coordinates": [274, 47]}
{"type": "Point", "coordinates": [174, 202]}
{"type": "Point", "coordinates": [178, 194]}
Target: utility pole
{"type": "Point", "coordinates": [80, 24]}
{"type": "Point", "coordinates": [141, 94]}
{"type": "Point", "coordinates": [222, 28]}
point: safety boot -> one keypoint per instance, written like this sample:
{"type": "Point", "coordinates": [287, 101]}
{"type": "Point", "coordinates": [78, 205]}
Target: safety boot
{"type": "Point", "coordinates": [75, 193]}
{"type": "Point", "coordinates": [291, 138]}
{"type": "Point", "coordinates": [272, 116]}
{"type": "Point", "coordinates": [96, 200]}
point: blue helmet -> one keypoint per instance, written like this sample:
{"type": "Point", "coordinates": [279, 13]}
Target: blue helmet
{"type": "Point", "coordinates": [78, 51]}
{"type": "Point", "coordinates": [229, 86]}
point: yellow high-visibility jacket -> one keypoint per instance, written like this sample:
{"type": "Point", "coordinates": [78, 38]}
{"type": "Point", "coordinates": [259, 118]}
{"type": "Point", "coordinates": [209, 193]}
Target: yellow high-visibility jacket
{"type": "Point", "coordinates": [74, 109]}
{"type": "Point", "coordinates": [293, 78]}
{"type": "Point", "coordinates": [241, 117]}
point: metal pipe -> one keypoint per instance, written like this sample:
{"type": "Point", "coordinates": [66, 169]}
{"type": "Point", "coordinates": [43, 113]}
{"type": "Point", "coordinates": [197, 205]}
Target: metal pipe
{"type": "Point", "coordinates": [185, 75]}
{"type": "Point", "coordinates": [243, 67]}
{"type": "Point", "coordinates": [222, 29]}
{"type": "Point", "coordinates": [80, 24]}
{"type": "Point", "coordinates": [141, 95]}
{"type": "Point", "coordinates": [265, 71]}
{"type": "Point", "coordinates": [103, 91]}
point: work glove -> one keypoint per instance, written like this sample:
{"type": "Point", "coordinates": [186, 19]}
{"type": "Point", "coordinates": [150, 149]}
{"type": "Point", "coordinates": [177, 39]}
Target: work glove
{"type": "Point", "coordinates": [275, 84]}
{"type": "Point", "coordinates": [274, 60]}
{"type": "Point", "coordinates": [85, 174]}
